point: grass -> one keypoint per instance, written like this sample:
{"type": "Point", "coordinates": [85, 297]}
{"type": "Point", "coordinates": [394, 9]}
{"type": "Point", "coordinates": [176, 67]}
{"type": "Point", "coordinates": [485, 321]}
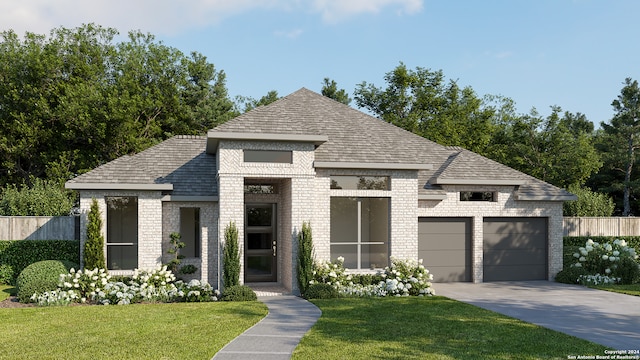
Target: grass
{"type": "Point", "coordinates": [633, 289]}
{"type": "Point", "coordinates": [148, 331]}
{"type": "Point", "coordinates": [6, 291]}
{"type": "Point", "coordinates": [429, 328]}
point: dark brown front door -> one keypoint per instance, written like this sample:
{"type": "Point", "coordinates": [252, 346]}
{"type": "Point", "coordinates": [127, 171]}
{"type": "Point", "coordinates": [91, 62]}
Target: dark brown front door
{"type": "Point", "coordinates": [260, 245]}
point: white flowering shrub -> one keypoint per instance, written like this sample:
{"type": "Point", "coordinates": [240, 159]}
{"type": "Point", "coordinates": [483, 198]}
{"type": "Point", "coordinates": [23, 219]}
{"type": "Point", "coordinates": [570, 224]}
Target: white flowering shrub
{"type": "Point", "coordinates": [607, 263]}
{"type": "Point", "coordinates": [402, 278]}
{"type": "Point", "coordinates": [95, 286]}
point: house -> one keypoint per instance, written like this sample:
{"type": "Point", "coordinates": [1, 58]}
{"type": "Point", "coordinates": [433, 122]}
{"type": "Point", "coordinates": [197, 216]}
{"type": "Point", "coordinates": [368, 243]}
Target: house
{"type": "Point", "coordinates": [369, 189]}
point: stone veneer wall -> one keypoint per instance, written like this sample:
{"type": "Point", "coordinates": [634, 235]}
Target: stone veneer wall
{"type": "Point", "coordinates": [149, 224]}
{"type": "Point", "coordinates": [505, 206]}
{"type": "Point", "coordinates": [403, 237]}
{"type": "Point", "coordinates": [207, 263]}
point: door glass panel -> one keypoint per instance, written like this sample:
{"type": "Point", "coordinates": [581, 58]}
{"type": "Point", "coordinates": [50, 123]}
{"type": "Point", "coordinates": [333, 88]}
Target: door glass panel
{"type": "Point", "coordinates": [259, 265]}
{"type": "Point", "coordinates": [259, 216]}
{"type": "Point", "coordinates": [259, 241]}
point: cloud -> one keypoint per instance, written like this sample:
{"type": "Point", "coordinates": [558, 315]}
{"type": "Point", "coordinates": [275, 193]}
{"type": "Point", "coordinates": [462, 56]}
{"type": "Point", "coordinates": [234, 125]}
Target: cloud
{"type": "Point", "coordinates": [171, 16]}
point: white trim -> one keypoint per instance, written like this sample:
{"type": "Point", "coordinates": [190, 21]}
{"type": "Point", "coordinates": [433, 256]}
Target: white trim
{"type": "Point", "coordinates": [361, 165]}
{"type": "Point", "coordinates": [214, 137]}
{"type": "Point", "coordinates": [432, 197]}
{"type": "Point", "coordinates": [440, 181]}
{"type": "Point", "coordinates": [522, 197]}
{"type": "Point", "coordinates": [118, 186]}
{"type": "Point", "coordinates": [190, 198]}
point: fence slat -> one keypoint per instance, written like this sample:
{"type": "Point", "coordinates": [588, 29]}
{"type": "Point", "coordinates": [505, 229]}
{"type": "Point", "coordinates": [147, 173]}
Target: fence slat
{"type": "Point", "coordinates": [38, 227]}
{"type": "Point", "coordinates": [601, 226]}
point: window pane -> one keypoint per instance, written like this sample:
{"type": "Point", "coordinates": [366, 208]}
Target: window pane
{"type": "Point", "coordinates": [259, 241]}
{"type": "Point", "coordinates": [259, 265]}
{"type": "Point", "coordinates": [268, 156]}
{"type": "Point", "coordinates": [259, 189]}
{"type": "Point", "coordinates": [359, 182]}
{"type": "Point", "coordinates": [190, 231]}
{"type": "Point", "coordinates": [348, 252]}
{"type": "Point", "coordinates": [344, 220]}
{"type": "Point", "coordinates": [375, 220]}
{"type": "Point", "coordinates": [259, 216]}
{"type": "Point", "coordinates": [374, 256]}
{"type": "Point", "coordinates": [122, 228]}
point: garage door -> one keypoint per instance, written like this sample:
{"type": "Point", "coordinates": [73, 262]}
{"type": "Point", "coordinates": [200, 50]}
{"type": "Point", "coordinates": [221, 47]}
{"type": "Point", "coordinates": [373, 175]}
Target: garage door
{"type": "Point", "coordinates": [445, 246]}
{"type": "Point", "coordinates": [515, 249]}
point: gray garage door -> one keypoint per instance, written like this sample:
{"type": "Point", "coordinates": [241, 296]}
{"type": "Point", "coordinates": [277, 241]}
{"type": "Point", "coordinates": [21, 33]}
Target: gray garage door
{"type": "Point", "coordinates": [515, 249]}
{"type": "Point", "coordinates": [445, 246]}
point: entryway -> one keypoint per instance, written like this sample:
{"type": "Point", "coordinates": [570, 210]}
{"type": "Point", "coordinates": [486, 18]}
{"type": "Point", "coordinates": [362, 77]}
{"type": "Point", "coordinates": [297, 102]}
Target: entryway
{"type": "Point", "coordinates": [261, 250]}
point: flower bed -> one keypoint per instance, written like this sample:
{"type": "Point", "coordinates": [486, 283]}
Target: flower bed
{"type": "Point", "coordinates": [402, 278]}
{"type": "Point", "coordinates": [607, 263]}
{"type": "Point", "coordinates": [96, 287]}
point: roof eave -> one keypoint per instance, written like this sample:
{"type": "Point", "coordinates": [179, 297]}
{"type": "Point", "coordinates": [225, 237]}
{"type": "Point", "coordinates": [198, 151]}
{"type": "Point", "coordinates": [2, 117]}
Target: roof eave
{"type": "Point", "coordinates": [544, 197]}
{"type": "Point", "coordinates": [507, 182]}
{"type": "Point", "coordinates": [214, 137]}
{"type": "Point", "coordinates": [361, 165]}
{"type": "Point", "coordinates": [117, 186]}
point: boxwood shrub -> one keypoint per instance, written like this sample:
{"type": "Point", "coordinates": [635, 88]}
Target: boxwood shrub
{"type": "Point", "coordinates": [15, 255]}
{"type": "Point", "coordinates": [239, 293]}
{"type": "Point", "coordinates": [41, 276]}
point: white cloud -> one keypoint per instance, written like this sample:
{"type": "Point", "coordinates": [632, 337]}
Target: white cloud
{"type": "Point", "coordinates": [172, 16]}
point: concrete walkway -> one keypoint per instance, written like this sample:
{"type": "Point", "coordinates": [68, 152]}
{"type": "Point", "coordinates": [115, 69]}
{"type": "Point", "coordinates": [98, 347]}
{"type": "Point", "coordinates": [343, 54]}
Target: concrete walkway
{"type": "Point", "coordinates": [602, 317]}
{"type": "Point", "coordinates": [278, 334]}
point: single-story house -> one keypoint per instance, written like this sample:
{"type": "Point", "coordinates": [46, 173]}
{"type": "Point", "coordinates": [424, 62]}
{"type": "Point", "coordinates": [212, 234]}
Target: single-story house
{"type": "Point", "coordinates": [370, 191]}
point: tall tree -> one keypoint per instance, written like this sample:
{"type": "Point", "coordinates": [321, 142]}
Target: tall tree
{"type": "Point", "coordinates": [77, 98]}
{"type": "Point", "coordinates": [247, 103]}
{"type": "Point", "coordinates": [423, 102]}
{"type": "Point", "coordinates": [619, 142]}
{"type": "Point", "coordinates": [330, 90]}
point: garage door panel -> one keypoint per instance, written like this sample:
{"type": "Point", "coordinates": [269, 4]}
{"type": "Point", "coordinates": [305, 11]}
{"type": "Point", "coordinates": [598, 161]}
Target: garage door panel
{"type": "Point", "coordinates": [515, 249]}
{"type": "Point", "coordinates": [445, 247]}
{"type": "Point", "coordinates": [516, 257]}
{"type": "Point", "coordinates": [520, 273]}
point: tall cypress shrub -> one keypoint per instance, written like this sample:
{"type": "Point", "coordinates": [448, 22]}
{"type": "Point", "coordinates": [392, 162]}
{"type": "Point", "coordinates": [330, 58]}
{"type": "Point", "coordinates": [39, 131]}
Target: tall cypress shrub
{"type": "Point", "coordinates": [305, 257]}
{"type": "Point", "coordinates": [94, 246]}
{"type": "Point", "coordinates": [231, 257]}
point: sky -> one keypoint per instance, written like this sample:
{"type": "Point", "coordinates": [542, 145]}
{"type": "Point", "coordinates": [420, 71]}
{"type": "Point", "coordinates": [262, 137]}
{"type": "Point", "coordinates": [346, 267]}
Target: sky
{"type": "Point", "coordinates": [574, 54]}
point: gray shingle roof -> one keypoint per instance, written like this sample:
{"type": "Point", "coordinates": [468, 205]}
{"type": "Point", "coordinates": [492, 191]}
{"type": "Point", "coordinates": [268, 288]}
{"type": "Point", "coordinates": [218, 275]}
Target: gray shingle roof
{"type": "Point", "coordinates": [353, 136]}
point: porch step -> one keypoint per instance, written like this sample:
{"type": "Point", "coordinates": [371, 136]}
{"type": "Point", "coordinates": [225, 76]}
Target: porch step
{"type": "Point", "coordinates": [268, 289]}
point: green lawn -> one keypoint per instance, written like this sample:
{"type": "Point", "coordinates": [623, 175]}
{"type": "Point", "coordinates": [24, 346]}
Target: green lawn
{"type": "Point", "coordinates": [6, 291]}
{"type": "Point", "coordinates": [633, 289]}
{"type": "Point", "coordinates": [148, 331]}
{"type": "Point", "coordinates": [429, 328]}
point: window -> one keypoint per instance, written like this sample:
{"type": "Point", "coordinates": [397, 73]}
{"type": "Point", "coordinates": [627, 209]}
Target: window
{"type": "Point", "coordinates": [477, 196]}
{"type": "Point", "coordinates": [349, 182]}
{"type": "Point", "coordinates": [122, 233]}
{"type": "Point", "coordinates": [190, 232]}
{"type": "Point", "coordinates": [268, 156]}
{"type": "Point", "coordinates": [260, 189]}
{"type": "Point", "coordinates": [360, 231]}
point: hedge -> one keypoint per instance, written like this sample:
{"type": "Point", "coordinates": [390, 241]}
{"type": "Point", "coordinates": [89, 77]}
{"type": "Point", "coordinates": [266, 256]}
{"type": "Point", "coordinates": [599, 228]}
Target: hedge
{"type": "Point", "coordinates": [15, 255]}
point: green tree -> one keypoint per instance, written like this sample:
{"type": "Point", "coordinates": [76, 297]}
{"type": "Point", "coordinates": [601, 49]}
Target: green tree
{"type": "Point", "coordinates": [558, 149]}
{"type": "Point", "coordinates": [93, 254]}
{"type": "Point", "coordinates": [305, 257]}
{"type": "Point", "coordinates": [618, 143]}
{"type": "Point", "coordinates": [330, 90]}
{"type": "Point", "coordinates": [77, 98]}
{"type": "Point", "coordinates": [589, 203]}
{"type": "Point", "coordinates": [247, 103]}
{"type": "Point", "coordinates": [231, 257]}
{"type": "Point", "coordinates": [42, 198]}
{"type": "Point", "coordinates": [423, 102]}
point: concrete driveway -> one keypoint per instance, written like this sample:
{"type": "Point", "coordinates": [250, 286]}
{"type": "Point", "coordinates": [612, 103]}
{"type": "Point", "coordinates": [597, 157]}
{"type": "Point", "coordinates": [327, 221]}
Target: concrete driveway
{"type": "Point", "coordinates": [602, 317]}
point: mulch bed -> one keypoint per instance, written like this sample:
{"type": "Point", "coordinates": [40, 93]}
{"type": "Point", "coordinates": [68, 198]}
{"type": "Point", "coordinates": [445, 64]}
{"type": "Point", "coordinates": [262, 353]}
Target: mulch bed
{"type": "Point", "coordinates": [12, 302]}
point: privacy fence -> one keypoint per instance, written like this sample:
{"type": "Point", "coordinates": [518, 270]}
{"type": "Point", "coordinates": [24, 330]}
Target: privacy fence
{"type": "Point", "coordinates": [39, 228]}
{"type": "Point", "coordinates": [601, 226]}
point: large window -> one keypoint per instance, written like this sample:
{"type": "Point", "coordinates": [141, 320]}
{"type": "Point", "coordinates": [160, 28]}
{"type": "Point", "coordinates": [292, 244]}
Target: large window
{"type": "Point", "coordinates": [268, 156]}
{"type": "Point", "coordinates": [360, 231]}
{"type": "Point", "coordinates": [122, 233]}
{"type": "Point", "coordinates": [355, 182]}
{"type": "Point", "coordinates": [190, 231]}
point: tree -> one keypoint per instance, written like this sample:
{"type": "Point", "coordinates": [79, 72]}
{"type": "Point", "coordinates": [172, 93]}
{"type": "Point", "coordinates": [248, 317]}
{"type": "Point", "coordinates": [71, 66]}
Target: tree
{"type": "Point", "coordinates": [245, 104]}
{"type": "Point", "coordinates": [618, 142]}
{"type": "Point", "coordinates": [77, 99]}
{"type": "Point", "coordinates": [330, 90]}
{"type": "Point", "coordinates": [231, 257]}
{"type": "Point", "coordinates": [558, 149]}
{"type": "Point", "coordinates": [42, 198]}
{"type": "Point", "coordinates": [421, 101]}
{"type": "Point", "coordinates": [305, 257]}
{"type": "Point", "coordinates": [93, 254]}
{"type": "Point", "coordinates": [589, 203]}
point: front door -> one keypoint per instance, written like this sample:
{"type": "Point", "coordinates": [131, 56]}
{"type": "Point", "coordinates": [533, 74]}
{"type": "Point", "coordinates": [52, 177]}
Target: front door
{"type": "Point", "coordinates": [260, 255]}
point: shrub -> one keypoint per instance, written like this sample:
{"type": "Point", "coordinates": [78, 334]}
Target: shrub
{"type": "Point", "coordinates": [570, 275]}
{"type": "Point", "coordinates": [589, 203]}
{"type": "Point", "coordinates": [305, 257]}
{"type": "Point", "coordinates": [231, 261]}
{"type": "Point", "coordinates": [605, 259]}
{"type": "Point", "coordinates": [42, 198]}
{"type": "Point", "coordinates": [94, 246]}
{"type": "Point", "coordinates": [40, 277]}
{"type": "Point", "coordinates": [321, 291]}
{"type": "Point", "coordinates": [407, 277]}
{"type": "Point", "coordinates": [15, 255]}
{"type": "Point", "coordinates": [6, 274]}
{"type": "Point", "coordinates": [331, 272]}
{"type": "Point", "coordinates": [367, 279]}
{"type": "Point", "coordinates": [239, 293]}
{"type": "Point", "coordinates": [628, 270]}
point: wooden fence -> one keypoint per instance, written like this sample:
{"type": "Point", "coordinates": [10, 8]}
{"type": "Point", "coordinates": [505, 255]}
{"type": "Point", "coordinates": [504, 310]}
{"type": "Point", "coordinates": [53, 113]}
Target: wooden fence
{"type": "Point", "coordinates": [39, 227]}
{"type": "Point", "coordinates": [601, 226]}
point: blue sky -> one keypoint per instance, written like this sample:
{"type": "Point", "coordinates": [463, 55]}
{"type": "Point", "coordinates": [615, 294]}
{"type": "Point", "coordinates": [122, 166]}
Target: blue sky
{"type": "Point", "coordinates": [571, 53]}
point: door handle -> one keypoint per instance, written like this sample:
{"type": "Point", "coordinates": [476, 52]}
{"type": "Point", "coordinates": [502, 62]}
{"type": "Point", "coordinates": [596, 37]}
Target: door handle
{"type": "Point", "coordinates": [274, 248]}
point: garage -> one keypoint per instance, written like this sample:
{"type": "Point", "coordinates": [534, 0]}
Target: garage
{"type": "Point", "coordinates": [515, 249]}
{"type": "Point", "coordinates": [445, 246]}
